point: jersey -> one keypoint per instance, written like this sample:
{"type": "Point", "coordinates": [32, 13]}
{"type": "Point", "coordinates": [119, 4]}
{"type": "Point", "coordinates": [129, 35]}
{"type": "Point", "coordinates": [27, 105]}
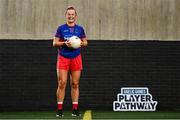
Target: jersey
{"type": "Point", "coordinates": [64, 32]}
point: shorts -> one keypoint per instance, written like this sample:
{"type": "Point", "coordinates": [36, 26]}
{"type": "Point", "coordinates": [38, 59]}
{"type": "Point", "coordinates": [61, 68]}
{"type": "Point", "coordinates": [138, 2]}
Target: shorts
{"type": "Point", "coordinates": [72, 64]}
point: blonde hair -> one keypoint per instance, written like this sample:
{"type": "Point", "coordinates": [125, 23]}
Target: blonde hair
{"type": "Point", "coordinates": [71, 8]}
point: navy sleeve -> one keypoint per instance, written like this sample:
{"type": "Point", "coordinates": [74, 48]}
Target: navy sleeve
{"type": "Point", "coordinates": [59, 33]}
{"type": "Point", "coordinates": [82, 35]}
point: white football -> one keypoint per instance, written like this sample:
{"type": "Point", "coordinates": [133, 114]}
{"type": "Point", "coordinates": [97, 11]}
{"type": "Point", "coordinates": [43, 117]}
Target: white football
{"type": "Point", "coordinates": [75, 42]}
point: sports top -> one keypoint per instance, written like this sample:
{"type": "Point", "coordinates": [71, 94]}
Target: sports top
{"type": "Point", "coordinates": [64, 32]}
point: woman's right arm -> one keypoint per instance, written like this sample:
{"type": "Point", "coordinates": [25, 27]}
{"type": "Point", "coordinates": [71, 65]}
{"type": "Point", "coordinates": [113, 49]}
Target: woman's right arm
{"type": "Point", "coordinates": [57, 42]}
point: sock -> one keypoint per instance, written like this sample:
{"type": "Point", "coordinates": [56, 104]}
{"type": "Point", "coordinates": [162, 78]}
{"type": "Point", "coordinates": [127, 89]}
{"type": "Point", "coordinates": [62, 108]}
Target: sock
{"type": "Point", "coordinates": [75, 105]}
{"type": "Point", "coordinates": [60, 105]}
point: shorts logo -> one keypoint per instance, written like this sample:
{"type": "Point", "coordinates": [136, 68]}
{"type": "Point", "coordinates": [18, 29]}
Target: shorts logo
{"type": "Point", "coordinates": [134, 99]}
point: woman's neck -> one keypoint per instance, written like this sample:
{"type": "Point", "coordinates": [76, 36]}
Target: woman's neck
{"type": "Point", "coordinates": [71, 24]}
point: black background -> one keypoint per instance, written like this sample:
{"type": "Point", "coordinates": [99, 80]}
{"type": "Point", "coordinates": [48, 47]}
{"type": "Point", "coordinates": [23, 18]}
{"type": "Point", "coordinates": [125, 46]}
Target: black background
{"type": "Point", "coordinates": [28, 73]}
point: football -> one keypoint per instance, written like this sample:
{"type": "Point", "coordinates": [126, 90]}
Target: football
{"type": "Point", "coordinates": [75, 42]}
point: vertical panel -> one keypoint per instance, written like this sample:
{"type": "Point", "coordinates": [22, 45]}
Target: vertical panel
{"type": "Point", "coordinates": [132, 19]}
{"type": "Point", "coordinates": [171, 31]}
{"type": "Point", "coordinates": [3, 16]}
{"type": "Point", "coordinates": [92, 19]}
{"type": "Point", "coordinates": [106, 16]}
{"type": "Point", "coordinates": [177, 19]}
{"type": "Point", "coordinates": [120, 23]}
{"type": "Point", "coordinates": [140, 19]}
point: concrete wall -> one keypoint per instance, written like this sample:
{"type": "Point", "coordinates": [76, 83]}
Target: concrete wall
{"type": "Point", "coordinates": [102, 19]}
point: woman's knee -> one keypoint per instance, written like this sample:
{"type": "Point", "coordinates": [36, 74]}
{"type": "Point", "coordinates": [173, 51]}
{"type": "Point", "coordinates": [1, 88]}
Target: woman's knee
{"type": "Point", "coordinates": [61, 84]}
{"type": "Point", "coordinates": [75, 85]}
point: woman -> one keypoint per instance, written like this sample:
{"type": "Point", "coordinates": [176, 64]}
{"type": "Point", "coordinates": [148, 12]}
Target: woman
{"type": "Point", "coordinates": [69, 60]}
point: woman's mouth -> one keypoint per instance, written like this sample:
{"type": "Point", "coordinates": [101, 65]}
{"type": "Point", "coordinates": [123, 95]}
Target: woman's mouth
{"type": "Point", "coordinates": [71, 18]}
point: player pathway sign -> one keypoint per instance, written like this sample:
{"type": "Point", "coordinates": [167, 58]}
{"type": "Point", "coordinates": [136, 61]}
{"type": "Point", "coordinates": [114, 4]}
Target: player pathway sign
{"type": "Point", "coordinates": [134, 99]}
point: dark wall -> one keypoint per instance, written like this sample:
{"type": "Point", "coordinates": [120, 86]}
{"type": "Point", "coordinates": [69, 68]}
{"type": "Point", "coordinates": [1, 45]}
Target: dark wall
{"type": "Point", "coordinates": [28, 73]}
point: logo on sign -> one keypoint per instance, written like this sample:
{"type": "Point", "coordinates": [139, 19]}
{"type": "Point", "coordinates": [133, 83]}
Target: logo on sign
{"type": "Point", "coordinates": [134, 99]}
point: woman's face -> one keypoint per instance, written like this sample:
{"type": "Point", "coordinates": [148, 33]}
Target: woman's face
{"type": "Point", "coordinates": [71, 16]}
